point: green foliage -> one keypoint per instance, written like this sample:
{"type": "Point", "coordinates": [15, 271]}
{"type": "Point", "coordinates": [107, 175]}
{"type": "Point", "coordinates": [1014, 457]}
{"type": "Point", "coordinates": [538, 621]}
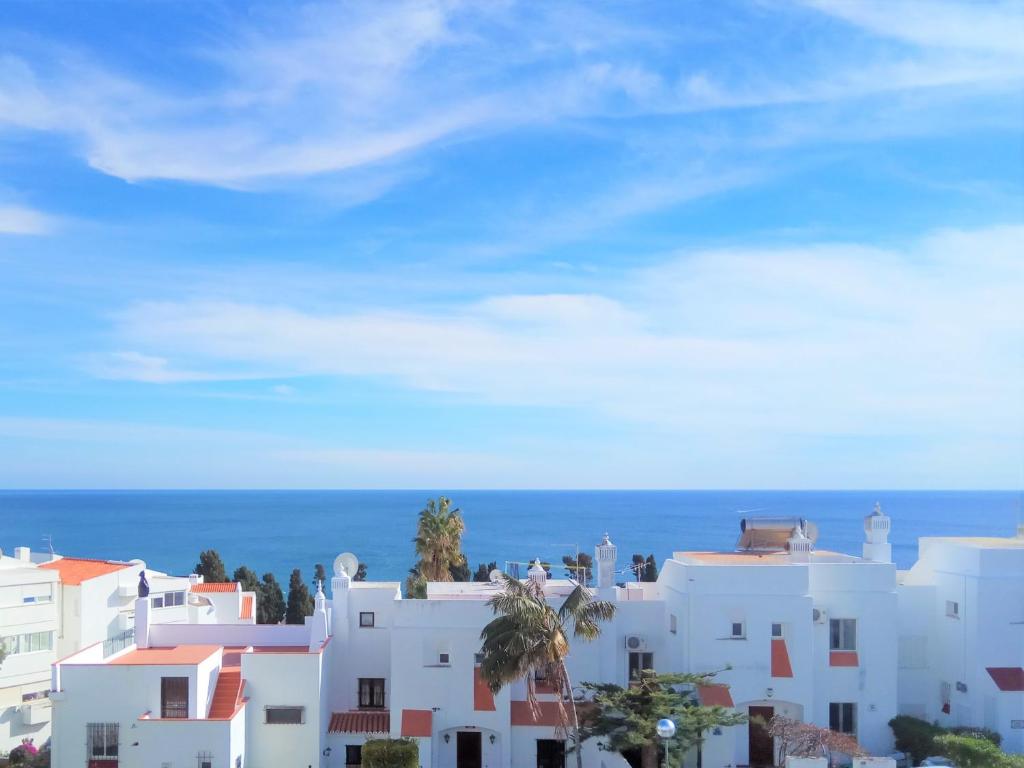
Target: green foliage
{"type": "Point", "coordinates": [977, 732]}
{"type": "Point", "coordinates": [270, 601]}
{"type": "Point", "coordinates": [320, 573]}
{"type": "Point", "coordinates": [438, 540]}
{"type": "Point", "coordinates": [579, 567]}
{"type": "Point", "coordinates": [300, 602]}
{"type": "Point", "coordinates": [915, 736]}
{"type": "Point", "coordinates": [390, 753]}
{"type": "Point", "coordinates": [459, 571]}
{"type": "Point", "coordinates": [415, 585]}
{"type": "Point", "coordinates": [922, 739]}
{"type": "Point", "coordinates": [626, 718]}
{"type": "Point", "coordinates": [483, 571]}
{"type": "Point", "coordinates": [250, 581]}
{"type": "Point", "coordinates": [211, 567]}
{"type": "Point", "coordinates": [650, 569]}
{"type": "Point", "coordinates": [360, 573]}
{"type": "Point", "coordinates": [969, 752]}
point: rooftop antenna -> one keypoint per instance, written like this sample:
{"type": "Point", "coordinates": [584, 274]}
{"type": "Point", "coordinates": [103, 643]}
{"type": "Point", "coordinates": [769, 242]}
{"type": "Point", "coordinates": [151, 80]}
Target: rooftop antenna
{"type": "Point", "coordinates": [48, 539]}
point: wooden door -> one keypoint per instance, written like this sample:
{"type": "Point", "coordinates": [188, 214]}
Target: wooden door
{"type": "Point", "coordinates": [469, 749]}
{"type": "Point", "coordinates": [762, 746]}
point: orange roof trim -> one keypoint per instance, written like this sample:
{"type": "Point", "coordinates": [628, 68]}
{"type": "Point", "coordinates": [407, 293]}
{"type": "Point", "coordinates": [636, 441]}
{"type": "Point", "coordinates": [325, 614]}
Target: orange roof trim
{"type": "Point", "coordinates": [417, 722]}
{"type": "Point", "coordinates": [74, 570]}
{"type": "Point", "coordinates": [714, 695]}
{"type": "Point", "coordinates": [360, 722]}
{"type": "Point", "coordinates": [246, 610]}
{"type": "Point", "coordinates": [780, 658]}
{"type": "Point", "coordinates": [216, 586]}
{"type": "Point", "coordinates": [178, 654]}
{"type": "Point", "coordinates": [483, 699]}
{"type": "Point", "coordinates": [522, 714]}
{"type": "Point", "coordinates": [843, 659]}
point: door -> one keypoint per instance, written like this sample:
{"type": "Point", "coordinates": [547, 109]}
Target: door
{"type": "Point", "coordinates": [469, 750]}
{"type": "Point", "coordinates": [762, 746]}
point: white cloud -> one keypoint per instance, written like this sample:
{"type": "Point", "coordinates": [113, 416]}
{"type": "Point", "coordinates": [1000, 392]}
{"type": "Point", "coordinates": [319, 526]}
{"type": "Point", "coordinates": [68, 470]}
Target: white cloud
{"type": "Point", "coordinates": [816, 340]}
{"type": "Point", "coordinates": [18, 220]}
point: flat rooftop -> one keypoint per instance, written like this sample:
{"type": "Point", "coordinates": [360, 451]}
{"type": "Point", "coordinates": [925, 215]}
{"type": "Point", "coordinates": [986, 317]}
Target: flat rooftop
{"type": "Point", "coordinates": [177, 654]}
{"type": "Point", "coordinates": [484, 590]}
{"type": "Point", "coordinates": [981, 542]}
{"type": "Point", "coordinates": [760, 558]}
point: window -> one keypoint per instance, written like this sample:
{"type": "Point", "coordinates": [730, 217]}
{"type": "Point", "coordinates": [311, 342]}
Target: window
{"type": "Point", "coordinates": [842, 717]}
{"type": "Point", "coordinates": [737, 632]}
{"type": "Point", "coordinates": [444, 658]}
{"type": "Point", "coordinates": [30, 642]}
{"type": "Point", "coordinates": [371, 692]}
{"type": "Point", "coordinates": [204, 760]}
{"type": "Point", "coordinates": [174, 697]}
{"type": "Point", "coordinates": [101, 741]}
{"type": "Point", "coordinates": [639, 660]}
{"type": "Point", "coordinates": [953, 609]}
{"type": "Point", "coordinates": [169, 599]}
{"type": "Point", "coordinates": [776, 629]}
{"type": "Point", "coordinates": [285, 715]}
{"type": "Point", "coordinates": [672, 623]}
{"type": "Point", "coordinates": [842, 635]}
{"type": "Point", "coordinates": [353, 755]}
{"type": "Point", "coordinates": [158, 601]}
{"type": "Point", "coordinates": [366, 618]}
{"type": "Point", "coordinates": [550, 753]}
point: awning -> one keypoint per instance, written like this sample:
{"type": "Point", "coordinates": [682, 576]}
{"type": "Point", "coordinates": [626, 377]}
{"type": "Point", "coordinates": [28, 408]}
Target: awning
{"type": "Point", "coordinates": [360, 722]}
{"type": "Point", "coordinates": [1007, 678]}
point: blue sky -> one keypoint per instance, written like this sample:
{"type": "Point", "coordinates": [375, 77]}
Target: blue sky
{"type": "Point", "coordinates": [454, 245]}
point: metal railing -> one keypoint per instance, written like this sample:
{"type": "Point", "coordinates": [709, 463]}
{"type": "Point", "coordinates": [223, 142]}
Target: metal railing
{"type": "Point", "coordinates": [118, 642]}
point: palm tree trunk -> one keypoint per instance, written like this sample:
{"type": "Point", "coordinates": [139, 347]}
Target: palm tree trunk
{"type": "Point", "coordinates": [575, 717]}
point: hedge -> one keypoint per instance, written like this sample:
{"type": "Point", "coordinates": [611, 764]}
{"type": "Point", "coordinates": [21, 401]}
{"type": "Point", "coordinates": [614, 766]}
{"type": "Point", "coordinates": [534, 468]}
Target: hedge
{"type": "Point", "coordinates": [922, 739]}
{"type": "Point", "coordinates": [391, 753]}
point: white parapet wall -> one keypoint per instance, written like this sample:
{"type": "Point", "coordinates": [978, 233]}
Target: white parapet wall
{"type": "Point", "coordinates": [806, 762]}
{"type": "Point", "coordinates": [874, 762]}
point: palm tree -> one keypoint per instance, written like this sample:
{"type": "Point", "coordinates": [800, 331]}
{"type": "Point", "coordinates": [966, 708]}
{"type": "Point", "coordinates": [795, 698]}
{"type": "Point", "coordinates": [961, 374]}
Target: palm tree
{"type": "Point", "coordinates": [530, 639]}
{"type": "Point", "coordinates": [439, 540]}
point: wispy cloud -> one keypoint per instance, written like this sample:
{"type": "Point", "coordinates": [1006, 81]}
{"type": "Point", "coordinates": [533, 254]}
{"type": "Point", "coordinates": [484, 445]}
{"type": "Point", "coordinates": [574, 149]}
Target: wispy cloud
{"type": "Point", "coordinates": [18, 220]}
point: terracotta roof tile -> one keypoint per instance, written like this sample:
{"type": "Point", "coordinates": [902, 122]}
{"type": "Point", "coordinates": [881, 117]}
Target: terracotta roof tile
{"type": "Point", "coordinates": [178, 654]}
{"type": "Point", "coordinates": [246, 610]}
{"type": "Point", "coordinates": [360, 722]}
{"type": "Point", "coordinates": [1007, 678]}
{"type": "Point", "coordinates": [227, 586]}
{"type": "Point", "coordinates": [75, 570]}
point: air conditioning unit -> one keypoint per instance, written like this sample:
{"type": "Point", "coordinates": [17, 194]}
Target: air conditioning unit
{"type": "Point", "coordinates": [36, 713]}
{"type": "Point", "coordinates": [819, 616]}
{"type": "Point", "coordinates": [636, 643]}
{"type": "Point", "coordinates": [125, 621]}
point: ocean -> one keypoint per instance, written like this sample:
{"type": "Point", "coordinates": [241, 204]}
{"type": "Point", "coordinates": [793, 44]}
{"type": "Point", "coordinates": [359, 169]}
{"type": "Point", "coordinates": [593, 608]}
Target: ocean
{"type": "Point", "coordinates": [277, 531]}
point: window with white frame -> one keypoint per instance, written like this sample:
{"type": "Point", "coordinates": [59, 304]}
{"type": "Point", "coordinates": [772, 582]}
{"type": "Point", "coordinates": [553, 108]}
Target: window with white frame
{"type": "Point", "coordinates": [101, 741]}
{"type": "Point", "coordinates": [371, 692]}
{"type": "Point", "coordinates": [737, 630]}
{"type": "Point", "coordinates": [953, 609]}
{"type": "Point", "coordinates": [366, 619]}
{"type": "Point", "coordinates": [842, 635]}
{"type": "Point", "coordinates": [842, 717]}
{"type": "Point", "coordinates": [639, 661]}
{"type": "Point", "coordinates": [776, 629]}
{"type": "Point", "coordinates": [30, 642]}
{"type": "Point", "coordinates": [204, 760]}
{"type": "Point", "coordinates": [672, 623]}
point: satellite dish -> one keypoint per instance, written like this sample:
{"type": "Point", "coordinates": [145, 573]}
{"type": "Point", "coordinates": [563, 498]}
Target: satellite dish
{"type": "Point", "coordinates": [346, 563]}
{"type": "Point", "coordinates": [495, 576]}
{"type": "Point", "coordinates": [578, 694]}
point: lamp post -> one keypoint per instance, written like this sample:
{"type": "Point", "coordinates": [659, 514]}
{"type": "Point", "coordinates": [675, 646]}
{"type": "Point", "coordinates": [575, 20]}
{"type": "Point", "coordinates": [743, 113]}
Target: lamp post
{"type": "Point", "coordinates": [665, 729]}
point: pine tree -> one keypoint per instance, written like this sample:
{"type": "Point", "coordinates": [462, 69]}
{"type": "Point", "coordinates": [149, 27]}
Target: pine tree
{"type": "Point", "coordinates": [578, 568]}
{"type": "Point", "coordinates": [483, 571]}
{"type": "Point", "coordinates": [650, 569]}
{"type": "Point", "coordinates": [459, 571]}
{"type": "Point", "coordinates": [360, 573]}
{"type": "Point", "coordinates": [320, 574]}
{"type": "Point", "coordinates": [250, 581]}
{"type": "Point", "coordinates": [270, 601]}
{"type": "Point", "coordinates": [639, 566]}
{"type": "Point", "coordinates": [211, 567]}
{"type": "Point", "coordinates": [300, 602]}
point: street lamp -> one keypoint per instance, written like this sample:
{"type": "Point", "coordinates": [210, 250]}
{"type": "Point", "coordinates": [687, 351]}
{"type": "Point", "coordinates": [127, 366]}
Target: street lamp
{"type": "Point", "coordinates": [665, 729]}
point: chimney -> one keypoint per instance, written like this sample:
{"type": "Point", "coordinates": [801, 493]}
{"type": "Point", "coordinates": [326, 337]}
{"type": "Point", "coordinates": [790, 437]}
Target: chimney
{"type": "Point", "coordinates": [340, 584]}
{"type": "Point", "coordinates": [877, 548]}
{"type": "Point", "coordinates": [23, 553]}
{"type": "Point", "coordinates": [605, 554]}
{"type": "Point", "coordinates": [142, 622]}
{"type": "Point", "coordinates": [799, 546]}
{"type": "Point", "coordinates": [538, 575]}
{"type": "Point", "coordinates": [318, 624]}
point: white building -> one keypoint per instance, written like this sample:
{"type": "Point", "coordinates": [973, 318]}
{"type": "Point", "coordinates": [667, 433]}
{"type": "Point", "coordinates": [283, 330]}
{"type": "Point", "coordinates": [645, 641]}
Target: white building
{"type": "Point", "coordinates": [28, 627]}
{"type": "Point", "coordinates": [961, 652]}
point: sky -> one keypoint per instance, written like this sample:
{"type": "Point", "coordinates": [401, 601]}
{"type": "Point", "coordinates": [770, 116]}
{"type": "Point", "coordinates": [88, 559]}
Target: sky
{"type": "Point", "coordinates": [759, 244]}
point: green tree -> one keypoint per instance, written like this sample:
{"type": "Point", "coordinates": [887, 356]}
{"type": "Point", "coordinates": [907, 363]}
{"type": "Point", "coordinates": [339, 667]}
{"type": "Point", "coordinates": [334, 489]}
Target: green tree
{"type": "Point", "coordinates": [639, 567]}
{"type": "Point", "coordinates": [439, 540]}
{"type": "Point", "coordinates": [390, 753]}
{"type": "Point", "coordinates": [211, 567]}
{"type": "Point", "coordinates": [460, 571]}
{"type": "Point", "coordinates": [360, 573]}
{"type": "Point", "coordinates": [483, 571]}
{"type": "Point", "coordinates": [250, 581]}
{"type": "Point", "coordinates": [270, 601]}
{"type": "Point", "coordinates": [650, 569]}
{"type": "Point", "coordinates": [415, 584]}
{"type": "Point", "coordinates": [578, 567]}
{"type": "Point", "coordinates": [320, 574]}
{"type": "Point", "coordinates": [529, 638]}
{"type": "Point", "coordinates": [626, 718]}
{"type": "Point", "coordinates": [300, 602]}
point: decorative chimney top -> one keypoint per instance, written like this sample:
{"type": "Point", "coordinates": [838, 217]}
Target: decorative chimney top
{"type": "Point", "coordinates": [876, 529]}
{"type": "Point", "coordinates": [143, 584]}
{"type": "Point", "coordinates": [537, 573]}
{"type": "Point", "coordinates": [799, 545]}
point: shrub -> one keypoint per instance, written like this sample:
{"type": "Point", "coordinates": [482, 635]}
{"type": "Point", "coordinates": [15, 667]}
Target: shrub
{"type": "Point", "coordinates": [968, 752]}
{"type": "Point", "coordinates": [915, 736]}
{"type": "Point", "coordinates": [977, 732]}
{"type": "Point", "coordinates": [391, 753]}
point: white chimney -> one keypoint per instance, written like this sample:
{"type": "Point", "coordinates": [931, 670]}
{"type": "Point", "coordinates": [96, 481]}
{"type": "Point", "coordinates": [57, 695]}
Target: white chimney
{"type": "Point", "coordinates": [142, 622]}
{"type": "Point", "coordinates": [799, 546]}
{"type": "Point", "coordinates": [538, 575]}
{"type": "Point", "coordinates": [23, 553]}
{"type": "Point", "coordinates": [605, 554]}
{"type": "Point", "coordinates": [877, 548]}
{"type": "Point", "coordinates": [318, 624]}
